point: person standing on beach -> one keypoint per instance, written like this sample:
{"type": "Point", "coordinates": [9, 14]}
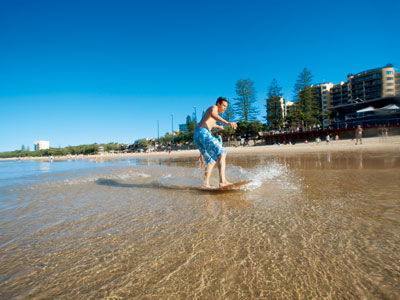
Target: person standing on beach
{"type": "Point", "coordinates": [219, 137]}
{"type": "Point", "coordinates": [359, 131]}
{"type": "Point", "coordinates": [208, 145]}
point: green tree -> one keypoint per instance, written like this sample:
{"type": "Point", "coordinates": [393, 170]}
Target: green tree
{"type": "Point", "coordinates": [228, 132]}
{"type": "Point", "coordinates": [254, 128]}
{"type": "Point", "coordinates": [308, 108]}
{"type": "Point", "coordinates": [274, 105]}
{"type": "Point", "coordinates": [229, 114]}
{"type": "Point", "coordinates": [245, 102]}
{"type": "Point", "coordinates": [167, 138]}
{"type": "Point", "coordinates": [308, 111]}
{"type": "Point", "coordinates": [249, 129]}
{"type": "Point", "coordinates": [191, 125]}
{"type": "Point", "coordinates": [242, 128]}
{"type": "Point", "coordinates": [291, 119]}
{"type": "Point", "coordinates": [303, 81]}
{"type": "Point", "coordinates": [143, 143]}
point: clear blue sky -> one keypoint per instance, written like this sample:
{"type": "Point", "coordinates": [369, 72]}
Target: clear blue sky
{"type": "Point", "coordinates": [79, 72]}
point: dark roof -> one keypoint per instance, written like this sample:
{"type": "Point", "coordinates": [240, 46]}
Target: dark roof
{"type": "Point", "coordinates": [378, 102]}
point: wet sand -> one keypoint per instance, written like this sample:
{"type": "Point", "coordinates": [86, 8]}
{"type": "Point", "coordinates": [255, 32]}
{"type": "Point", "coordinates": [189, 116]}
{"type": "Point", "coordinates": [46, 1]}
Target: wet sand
{"type": "Point", "coordinates": [314, 225]}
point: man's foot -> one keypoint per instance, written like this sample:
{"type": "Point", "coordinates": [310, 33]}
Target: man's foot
{"type": "Point", "coordinates": [206, 186]}
{"type": "Point", "coordinates": [225, 183]}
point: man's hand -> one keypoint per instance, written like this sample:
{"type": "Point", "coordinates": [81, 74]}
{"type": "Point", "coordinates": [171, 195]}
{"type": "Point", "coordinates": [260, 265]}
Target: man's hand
{"type": "Point", "coordinates": [233, 125]}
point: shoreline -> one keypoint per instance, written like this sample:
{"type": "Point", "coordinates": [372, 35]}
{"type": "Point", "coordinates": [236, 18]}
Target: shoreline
{"type": "Point", "coordinates": [376, 144]}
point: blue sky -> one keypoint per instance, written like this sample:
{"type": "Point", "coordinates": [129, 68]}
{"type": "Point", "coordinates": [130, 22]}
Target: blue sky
{"type": "Point", "coordinates": [79, 72]}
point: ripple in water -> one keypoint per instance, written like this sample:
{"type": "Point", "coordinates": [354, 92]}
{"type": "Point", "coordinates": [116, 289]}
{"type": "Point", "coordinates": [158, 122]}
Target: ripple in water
{"type": "Point", "coordinates": [301, 230]}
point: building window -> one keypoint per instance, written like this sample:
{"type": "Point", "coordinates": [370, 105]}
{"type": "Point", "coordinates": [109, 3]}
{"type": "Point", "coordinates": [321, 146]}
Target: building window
{"type": "Point", "coordinates": [389, 78]}
{"type": "Point", "coordinates": [324, 92]}
{"type": "Point", "coordinates": [324, 87]}
{"type": "Point", "coordinates": [389, 84]}
{"type": "Point", "coordinates": [325, 102]}
{"type": "Point", "coordinates": [389, 90]}
{"type": "Point", "coordinates": [389, 72]}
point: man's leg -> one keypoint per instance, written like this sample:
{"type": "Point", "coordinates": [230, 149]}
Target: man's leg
{"type": "Point", "coordinates": [221, 169]}
{"type": "Point", "coordinates": [208, 170]}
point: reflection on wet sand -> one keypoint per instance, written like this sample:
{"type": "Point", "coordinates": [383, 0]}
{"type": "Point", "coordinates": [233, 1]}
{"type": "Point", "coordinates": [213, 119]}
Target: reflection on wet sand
{"type": "Point", "coordinates": [313, 226]}
{"type": "Point", "coordinates": [352, 160]}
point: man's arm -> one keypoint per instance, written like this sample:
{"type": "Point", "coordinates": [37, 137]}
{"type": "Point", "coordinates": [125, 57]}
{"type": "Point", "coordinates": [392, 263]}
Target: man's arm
{"type": "Point", "coordinates": [218, 118]}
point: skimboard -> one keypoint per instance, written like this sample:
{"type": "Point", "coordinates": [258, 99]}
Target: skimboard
{"type": "Point", "coordinates": [227, 187]}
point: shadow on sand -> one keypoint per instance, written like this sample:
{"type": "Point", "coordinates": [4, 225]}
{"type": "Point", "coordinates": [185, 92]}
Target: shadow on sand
{"type": "Point", "coordinates": [157, 185]}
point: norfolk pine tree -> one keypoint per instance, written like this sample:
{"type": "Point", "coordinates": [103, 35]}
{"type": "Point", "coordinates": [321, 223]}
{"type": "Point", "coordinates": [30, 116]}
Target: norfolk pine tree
{"type": "Point", "coordinates": [245, 102]}
{"type": "Point", "coordinates": [307, 106]}
{"type": "Point", "coordinates": [274, 108]}
{"type": "Point", "coordinates": [229, 114]}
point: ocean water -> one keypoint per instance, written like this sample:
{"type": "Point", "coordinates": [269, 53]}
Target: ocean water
{"type": "Point", "coordinates": [311, 226]}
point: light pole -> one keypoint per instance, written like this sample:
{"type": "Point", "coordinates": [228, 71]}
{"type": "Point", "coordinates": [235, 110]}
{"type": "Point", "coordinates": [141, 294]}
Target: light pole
{"type": "Point", "coordinates": [172, 122]}
{"type": "Point", "coordinates": [158, 132]}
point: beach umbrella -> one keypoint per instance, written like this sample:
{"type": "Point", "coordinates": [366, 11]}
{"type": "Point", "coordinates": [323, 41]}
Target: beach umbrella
{"type": "Point", "coordinates": [367, 109]}
{"type": "Point", "coordinates": [390, 107]}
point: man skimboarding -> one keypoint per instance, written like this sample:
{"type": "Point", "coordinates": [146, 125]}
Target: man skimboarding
{"type": "Point", "coordinates": [210, 148]}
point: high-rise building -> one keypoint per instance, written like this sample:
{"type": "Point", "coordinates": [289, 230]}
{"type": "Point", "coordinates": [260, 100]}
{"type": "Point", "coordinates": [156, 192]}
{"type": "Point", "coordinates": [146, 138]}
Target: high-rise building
{"type": "Point", "coordinates": [321, 93]}
{"type": "Point", "coordinates": [343, 101]}
{"type": "Point", "coordinates": [397, 83]}
{"type": "Point", "coordinates": [41, 145]}
{"type": "Point", "coordinates": [183, 128]}
{"type": "Point", "coordinates": [372, 90]}
{"type": "Point", "coordinates": [371, 84]}
{"type": "Point", "coordinates": [282, 101]}
{"type": "Point", "coordinates": [290, 107]}
{"type": "Point", "coordinates": [339, 94]}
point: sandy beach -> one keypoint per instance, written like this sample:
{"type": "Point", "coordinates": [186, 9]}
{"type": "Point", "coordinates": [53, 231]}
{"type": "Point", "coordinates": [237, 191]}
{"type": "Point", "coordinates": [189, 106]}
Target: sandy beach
{"type": "Point", "coordinates": [390, 144]}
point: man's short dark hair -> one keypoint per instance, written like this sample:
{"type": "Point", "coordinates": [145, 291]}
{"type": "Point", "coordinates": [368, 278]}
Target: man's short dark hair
{"type": "Point", "coordinates": [221, 99]}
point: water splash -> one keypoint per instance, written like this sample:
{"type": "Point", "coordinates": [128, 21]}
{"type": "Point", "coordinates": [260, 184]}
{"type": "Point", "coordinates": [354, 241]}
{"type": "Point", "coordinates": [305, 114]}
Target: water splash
{"type": "Point", "coordinates": [273, 171]}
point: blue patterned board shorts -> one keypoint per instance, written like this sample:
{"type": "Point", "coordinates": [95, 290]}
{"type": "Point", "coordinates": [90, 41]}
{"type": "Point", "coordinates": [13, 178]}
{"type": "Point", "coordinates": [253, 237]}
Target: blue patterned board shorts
{"type": "Point", "coordinates": [208, 145]}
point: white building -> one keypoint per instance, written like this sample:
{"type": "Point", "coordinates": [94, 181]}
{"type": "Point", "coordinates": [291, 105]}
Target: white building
{"type": "Point", "coordinates": [289, 105]}
{"type": "Point", "coordinates": [40, 145]}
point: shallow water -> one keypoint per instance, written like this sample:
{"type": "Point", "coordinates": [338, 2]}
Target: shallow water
{"type": "Point", "coordinates": [321, 226]}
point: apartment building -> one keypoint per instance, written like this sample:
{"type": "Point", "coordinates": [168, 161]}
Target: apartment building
{"type": "Point", "coordinates": [397, 83]}
{"type": "Point", "coordinates": [41, 145]}
{"type": "Point", "coordinates": [377, 87]}
{"type": "Point", "coordinates": [322, 94]}
{"type": "Point", "coordinates": [290, 108]}
{"type": "Point", "coordinates": [282, 101]}
{"type": "Point", "coordinates": [339, 94]}
{"type": "Point", "coordinates": [371, 84]}
{"type": "Point", "coordinates": [374, 90]}
{"type": "Point", "coordinates": [183, 128]}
